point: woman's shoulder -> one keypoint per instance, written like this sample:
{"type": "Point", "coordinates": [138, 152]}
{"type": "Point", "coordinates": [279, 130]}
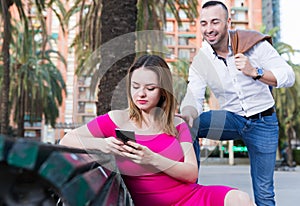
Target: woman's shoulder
{"type": "Point", "coordinates": [118, 113]}
{"type": "Point", "coordinates": [119, 116]}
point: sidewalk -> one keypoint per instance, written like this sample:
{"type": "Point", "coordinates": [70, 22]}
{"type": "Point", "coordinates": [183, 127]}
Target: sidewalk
{"type": "Point", "coordinates": [287, 184]}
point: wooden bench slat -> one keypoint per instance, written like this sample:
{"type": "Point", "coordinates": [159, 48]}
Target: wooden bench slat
{"type": "Point", "coordinates": [124, 196]}
{"type": "Point", "coordinates": [60, 167]}
{"type": "Point", "coordinates": [23, 154]}
{"type": "Point", "coordinates": [6, 144]}
{"type": "Point", "coordinates": [109, 192]}
{"type": "Point", "coordinates": [89, 185]}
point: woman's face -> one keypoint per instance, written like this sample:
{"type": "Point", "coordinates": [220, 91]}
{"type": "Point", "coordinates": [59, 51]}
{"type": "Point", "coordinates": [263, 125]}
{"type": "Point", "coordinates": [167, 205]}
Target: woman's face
{"type": "Point", "coordinates": [145, 90]}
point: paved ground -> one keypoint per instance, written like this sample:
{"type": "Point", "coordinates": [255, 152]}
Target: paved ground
{"type": "Point", "coordinates": [287, 183]}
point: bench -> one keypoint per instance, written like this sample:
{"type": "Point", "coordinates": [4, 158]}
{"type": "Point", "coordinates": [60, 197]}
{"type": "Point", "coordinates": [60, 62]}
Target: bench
{"type": "Point", "coordinates": [35, 173]}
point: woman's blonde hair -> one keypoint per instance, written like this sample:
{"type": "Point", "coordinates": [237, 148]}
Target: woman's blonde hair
{"type": "Point", "coordinates": [166, 106]}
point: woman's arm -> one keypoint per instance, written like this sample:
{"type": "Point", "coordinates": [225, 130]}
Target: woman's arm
{"type": "Point", "coordinates": [186, 171]}
{"type": "Point", "coordinates": [74, 138]}
{"type": "Point", "coordinates": [82, 138]}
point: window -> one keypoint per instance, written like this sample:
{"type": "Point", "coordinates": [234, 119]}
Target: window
{"type": "Point", "coordinates": [87, 81]}
{"type": "Point", "coordinates": [169, 14]}
{"type": "Point", "coordinates": [69, 107]}
{"type": "Point", "coordinates": [81, 106]}
{"type": "Point", "coordinates": [86, 119]}
{"type": "Point", "coordinates": [182, 14]}
{"type": "Point", "coordinates": [169, 40]}
{"type": "Point", "coordinates": [169, 27]}
{"type": "Point", "coordinates": [240, 16]}
{"type": "Point", "coordinates": [238, 26]}
{"type": "Point", "coordinates": [239, 3]}
{"type": "Point", "coordinates": [90, 108]}
{"type": "Point", "coordinates": [185, 26]}
{"type": "Point", "coordinates": [183, 41]}
{"type": "Point", "coordinates": [183, 2]}
{"type": "Point", "coordinates": [170, 54]}
{"type": "Point", "coordinates": [184, 54]}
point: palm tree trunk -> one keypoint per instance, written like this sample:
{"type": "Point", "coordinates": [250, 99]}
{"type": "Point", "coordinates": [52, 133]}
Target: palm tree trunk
{"type": "Point", "coordinates": [21, 109]}
{"type": "Point", "coordinates": [4, 121]}
{"type": "Point", "coordinates": [117, 18]}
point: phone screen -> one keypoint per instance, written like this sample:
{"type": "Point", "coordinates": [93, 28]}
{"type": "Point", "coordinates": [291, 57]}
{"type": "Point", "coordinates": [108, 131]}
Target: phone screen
{"type": "Point", "coordinates": [125, 135]}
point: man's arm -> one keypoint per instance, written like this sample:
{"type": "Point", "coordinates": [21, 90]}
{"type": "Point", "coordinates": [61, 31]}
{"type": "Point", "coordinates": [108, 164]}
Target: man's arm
{"type": "Point", "coordinates": [275, 66]}
{"type": "Point", "coordinates": [192, 104]}
{"type": "Point", "coordinates": [243, 64]}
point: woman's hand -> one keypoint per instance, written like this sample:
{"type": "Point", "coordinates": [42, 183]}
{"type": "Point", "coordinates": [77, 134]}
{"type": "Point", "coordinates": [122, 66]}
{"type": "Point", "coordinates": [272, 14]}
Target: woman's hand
{"type": "Point", "coordinates": [114, 146]}
{"type": "Point", "coordinates": [138, 153]}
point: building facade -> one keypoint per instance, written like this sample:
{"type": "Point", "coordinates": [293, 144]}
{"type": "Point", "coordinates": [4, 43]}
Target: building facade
{"type": "Point", "coordinates": [183, 41]}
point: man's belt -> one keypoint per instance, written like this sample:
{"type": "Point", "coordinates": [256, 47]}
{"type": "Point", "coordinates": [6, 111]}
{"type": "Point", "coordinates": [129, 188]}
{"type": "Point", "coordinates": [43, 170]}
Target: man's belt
{"type": "Point", "coordinates": [267, 112]}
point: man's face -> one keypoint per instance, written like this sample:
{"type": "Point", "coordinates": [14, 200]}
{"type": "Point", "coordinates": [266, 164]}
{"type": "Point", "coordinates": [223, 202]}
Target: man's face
{"type": "Point", "coordinates": [214, 25]}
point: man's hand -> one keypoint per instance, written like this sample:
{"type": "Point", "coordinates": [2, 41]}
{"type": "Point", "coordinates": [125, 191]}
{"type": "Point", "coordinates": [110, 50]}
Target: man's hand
{"type": "Point", "coordinates": [188, 113]}
{"type": "Point", "coordinates": [242, 64]}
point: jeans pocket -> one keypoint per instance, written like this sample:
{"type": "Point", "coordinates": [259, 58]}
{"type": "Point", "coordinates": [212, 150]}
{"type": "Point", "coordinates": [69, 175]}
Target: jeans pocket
{"type": "Point", "coordinates": [270, 120]}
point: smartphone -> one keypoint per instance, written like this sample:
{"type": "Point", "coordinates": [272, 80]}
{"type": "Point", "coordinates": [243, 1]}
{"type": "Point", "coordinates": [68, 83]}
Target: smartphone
{"type": "Point", "coordinates": [125, 135]}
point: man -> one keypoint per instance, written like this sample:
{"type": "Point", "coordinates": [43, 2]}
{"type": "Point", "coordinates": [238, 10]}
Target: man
{"type": "Point", "coordinates": [239, 67]}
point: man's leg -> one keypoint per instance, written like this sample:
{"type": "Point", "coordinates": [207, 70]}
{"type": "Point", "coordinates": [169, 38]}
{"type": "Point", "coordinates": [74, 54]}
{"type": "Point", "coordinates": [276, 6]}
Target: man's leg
{"type": "Point", "coordinates": [196, 145]}
{"type": "Point", "coordinates": [219, 125]}
{"type": "Point", "coordinates": [197, 150]}
{"type": "Point", "coordinates": [261, 138]}
{"type": "Point", "coordinates": [215, 125]}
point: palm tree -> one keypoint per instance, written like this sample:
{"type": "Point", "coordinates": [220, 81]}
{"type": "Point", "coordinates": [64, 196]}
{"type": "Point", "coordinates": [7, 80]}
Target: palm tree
{"type": "Point", "coordinates": [288, 104]}
{"type": "Point", "coordinates": [180, 78]}
{"type": "Point", "coordinates": [26, 28]}
{"type": "Point", "coordinates": [4, 118]}
{"type": "Point", "coordinates": [37, 84]}
{"type": "Point", "coordinates": [5, 5]}
{"type": "Point", "coordinates": [124, 15]}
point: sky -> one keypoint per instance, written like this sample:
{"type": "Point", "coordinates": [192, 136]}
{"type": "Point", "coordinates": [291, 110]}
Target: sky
{"type": "Point", "coordinates": [290, 28]}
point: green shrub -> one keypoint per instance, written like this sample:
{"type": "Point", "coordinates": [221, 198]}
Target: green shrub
{"type": "Point", "coordinates": [296, 156]}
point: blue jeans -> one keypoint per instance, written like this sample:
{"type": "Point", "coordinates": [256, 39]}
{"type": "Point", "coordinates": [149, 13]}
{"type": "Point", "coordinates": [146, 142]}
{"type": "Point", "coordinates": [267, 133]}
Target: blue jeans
{"type": "Point", "coordinates": [261, 138]}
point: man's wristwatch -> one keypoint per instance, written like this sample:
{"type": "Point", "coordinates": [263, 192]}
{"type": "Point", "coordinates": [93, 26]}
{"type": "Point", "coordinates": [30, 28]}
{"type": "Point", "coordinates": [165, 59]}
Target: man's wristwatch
{"type": "Point", "coordinates": [260, 72]}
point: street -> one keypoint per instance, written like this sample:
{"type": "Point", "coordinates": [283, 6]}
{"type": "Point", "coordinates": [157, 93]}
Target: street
{"type": "Point", "coordinates": [287, 183]}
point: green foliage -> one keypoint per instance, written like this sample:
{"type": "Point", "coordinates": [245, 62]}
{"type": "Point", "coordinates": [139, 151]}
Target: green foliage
{"type": "Point", "coordinates": [180, 78]}
{"type": "Point", "coordinates": [287, 99]}
{"type": "Point", "coordinates": [36, 80]}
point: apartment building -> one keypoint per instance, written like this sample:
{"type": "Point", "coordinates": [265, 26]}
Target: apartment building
{"type": "Point", "coordinates": [183, 41]}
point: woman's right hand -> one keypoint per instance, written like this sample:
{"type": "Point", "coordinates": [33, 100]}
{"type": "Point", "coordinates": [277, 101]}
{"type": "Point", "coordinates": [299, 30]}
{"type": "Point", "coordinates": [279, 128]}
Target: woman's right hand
{"type": "Point", "coordinates": [113, 146]}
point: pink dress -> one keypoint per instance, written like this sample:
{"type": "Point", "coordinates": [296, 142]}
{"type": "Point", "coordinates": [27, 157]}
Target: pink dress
{"type": "Point", "coordinates": [148, 186]}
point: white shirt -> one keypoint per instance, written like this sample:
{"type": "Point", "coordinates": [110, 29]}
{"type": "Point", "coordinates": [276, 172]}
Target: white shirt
{"type": "Point", "coordinates": [235, 91]}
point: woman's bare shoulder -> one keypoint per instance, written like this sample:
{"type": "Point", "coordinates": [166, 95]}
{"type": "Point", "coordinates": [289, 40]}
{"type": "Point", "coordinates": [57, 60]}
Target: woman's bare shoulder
{"type": "Point", "coordinates": [119, 116]}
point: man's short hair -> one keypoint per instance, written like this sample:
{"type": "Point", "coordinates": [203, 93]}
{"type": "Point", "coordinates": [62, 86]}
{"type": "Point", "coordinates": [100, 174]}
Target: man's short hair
{"type": "Point", "coordinates": [214, 3]}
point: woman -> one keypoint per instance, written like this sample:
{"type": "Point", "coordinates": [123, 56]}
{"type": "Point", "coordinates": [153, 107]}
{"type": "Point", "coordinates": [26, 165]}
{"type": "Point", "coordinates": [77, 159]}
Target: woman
{"type": "Point", "coordinates": [159, 167]}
